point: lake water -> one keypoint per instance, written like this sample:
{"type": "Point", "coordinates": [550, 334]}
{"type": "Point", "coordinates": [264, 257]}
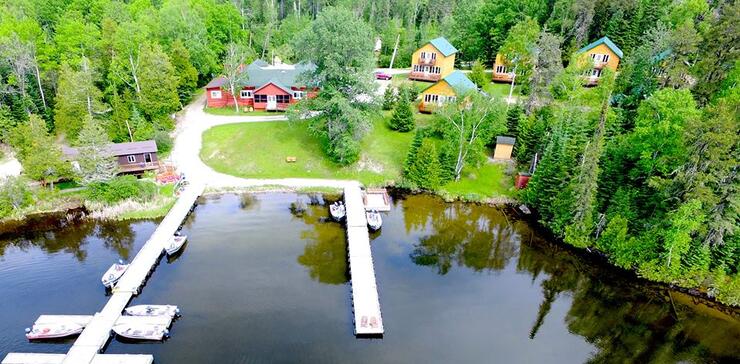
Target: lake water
{"type": "Point", "coordinates": [458, 283]}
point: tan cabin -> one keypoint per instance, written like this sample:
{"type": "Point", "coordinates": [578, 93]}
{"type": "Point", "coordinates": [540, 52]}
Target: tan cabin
{"type": "Point", "coordinates": [504, 148]}
{"type": "Point", "coordinates": [604, 54]}
{"type": "Point", "coordinates": [501, 72]}
{"type": "Point", "coordinates": [433, 61]}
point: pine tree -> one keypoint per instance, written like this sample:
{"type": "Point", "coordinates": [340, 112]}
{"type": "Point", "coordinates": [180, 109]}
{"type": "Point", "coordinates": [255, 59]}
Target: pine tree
{"type": "Point", "coordinates": [403, 116]}
{"type": "Point", "coordinates": [96, 161]}
{"type": "Point", "coordinates": [389, 98]}
{"type": "Point", "coordinates": [447, 162]}
{"type": "Point", "coordinates": [424, 171]}
{"type": "Point", "coordinates": [513, 116]}
{"type": "Point", "coordinates": [413, 149]}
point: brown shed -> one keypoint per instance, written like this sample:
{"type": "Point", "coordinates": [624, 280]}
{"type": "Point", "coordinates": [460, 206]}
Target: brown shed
{"type": "Point", "coordinates": [504, 147]}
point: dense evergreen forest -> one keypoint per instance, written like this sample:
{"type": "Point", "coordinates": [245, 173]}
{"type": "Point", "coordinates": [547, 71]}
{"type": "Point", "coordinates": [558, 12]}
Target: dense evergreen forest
{"type": "Point", "coordinates": [643, 168]}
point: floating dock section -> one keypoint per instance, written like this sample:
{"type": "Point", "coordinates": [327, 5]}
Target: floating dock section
{"type": "Point", "coordinates": [367, 316]}
{"type": "Point", "coordinates": [98, 327]}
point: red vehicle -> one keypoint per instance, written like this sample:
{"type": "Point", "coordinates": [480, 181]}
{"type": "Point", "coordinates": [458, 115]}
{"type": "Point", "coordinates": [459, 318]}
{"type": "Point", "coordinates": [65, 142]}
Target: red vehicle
{"type": "Point", "coordinates": [382, 76]}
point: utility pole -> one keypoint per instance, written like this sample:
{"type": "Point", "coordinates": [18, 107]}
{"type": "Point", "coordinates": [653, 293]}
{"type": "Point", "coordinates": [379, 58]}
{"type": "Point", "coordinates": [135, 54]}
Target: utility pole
{"type": "Point", "coordinates": [395, 48]}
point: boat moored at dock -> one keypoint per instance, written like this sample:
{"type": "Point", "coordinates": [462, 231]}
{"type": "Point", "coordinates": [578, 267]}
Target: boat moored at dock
{"type": "Point", "coordinates": [374, 221]}
{"type": "Point", "coordinates": [152, 310]}
{"type": "Point", "coordinates": [113, 274]}
{"type": "Point", "coordinates": [175, 243]}
{"type": "Point", "coordinates": [53, 330]}
{"type": "Point", "coordinates": [142, 331]}
{"type": "Point", "coordinates": [338, 211]}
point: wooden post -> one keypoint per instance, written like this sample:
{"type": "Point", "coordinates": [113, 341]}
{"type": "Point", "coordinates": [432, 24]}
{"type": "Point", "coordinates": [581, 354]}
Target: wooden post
{"type": "Point", "coordinates": [395, 48]}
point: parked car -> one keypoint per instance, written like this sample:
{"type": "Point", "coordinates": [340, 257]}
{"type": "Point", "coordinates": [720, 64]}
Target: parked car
{"type": "Point", "coordinates": [382, 76]}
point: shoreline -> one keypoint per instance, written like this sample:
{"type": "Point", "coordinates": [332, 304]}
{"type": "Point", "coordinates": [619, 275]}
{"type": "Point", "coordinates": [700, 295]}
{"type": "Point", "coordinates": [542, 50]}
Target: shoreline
{"type": "Point", "coordinates": [133, 210]}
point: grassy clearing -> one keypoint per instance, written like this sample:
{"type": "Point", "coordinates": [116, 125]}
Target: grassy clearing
{"type": "Point", "coordinates": [229, 111]}
{"type": "Point", "coordinates": [258, 150]}
{"type": "Point", "coordinates": [501, 89]}
{"type": "Point", "coordinates": [488, 181]}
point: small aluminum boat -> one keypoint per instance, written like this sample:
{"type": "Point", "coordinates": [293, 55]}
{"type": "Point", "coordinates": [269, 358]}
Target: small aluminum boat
{"type": "Point", "coordinates": [53, 330]}
{"type": "Point", "coordinates": [152, 310]}
{"type": "Point", "coordinates": [338, 211]}
{"type": "Point", "coordinates": [374, 221]}
{"type": "Point", "coordinates": [175, 243]}
{"type": "Point", "coordinates": [141, 331]}
{"type": "Point", "coordinates": [113, 274]}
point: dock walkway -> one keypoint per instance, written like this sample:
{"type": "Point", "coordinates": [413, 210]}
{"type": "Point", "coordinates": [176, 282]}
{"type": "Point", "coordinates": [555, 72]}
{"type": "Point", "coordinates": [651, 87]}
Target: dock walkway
{"type": "Point", "coordinates": [98, 328]}
{"type": "Point", "coordinates": [367, 315]}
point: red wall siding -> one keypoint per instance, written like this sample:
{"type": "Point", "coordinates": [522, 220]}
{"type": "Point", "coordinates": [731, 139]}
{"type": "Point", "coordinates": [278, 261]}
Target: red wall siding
{"type": "Point", "coordinates": [269, 89]}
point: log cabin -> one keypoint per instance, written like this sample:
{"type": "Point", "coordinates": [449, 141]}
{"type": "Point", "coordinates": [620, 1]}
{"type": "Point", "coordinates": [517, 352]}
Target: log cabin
{"type": "Point", "coordinates": [132, 157]}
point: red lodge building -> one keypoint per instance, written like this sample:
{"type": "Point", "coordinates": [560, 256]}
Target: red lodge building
{"type": "Point", "coordinates": [268, 87]}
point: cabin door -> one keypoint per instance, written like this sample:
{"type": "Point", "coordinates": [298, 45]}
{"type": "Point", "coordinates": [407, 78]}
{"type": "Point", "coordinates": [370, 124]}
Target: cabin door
{"type": "Point", "coordinates": [271, 102]}
{"type": "Point", "coordinates": [148, 158]}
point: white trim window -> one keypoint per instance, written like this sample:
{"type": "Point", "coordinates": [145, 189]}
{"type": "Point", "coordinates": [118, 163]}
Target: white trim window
{"type": "Point", "coordinates": [596, 73]}
{"type": "Point", "coordinates": [245, 94]}
{"type": "Point", "coordinates": [215, 94]}
{"type": "Point", "coordinates": [297, 95]}
{"type": "Point", "coordinates": [451, 98]}
{"type": "Point", "coordinates": [131, 159]}
{"type": "Point", "coordinates": [597, 57]}
{"type": "Point", "coordinates": [436, 70]}
{"type": "Point", "coordinates": [423, 55]}
{"type": "Point", "coordinates": [500, 69]}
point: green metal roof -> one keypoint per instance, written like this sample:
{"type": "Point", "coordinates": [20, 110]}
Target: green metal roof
{"type": "Point", "coordinates": [443, 46]}
{"type": "Point", "coordinates": [459, 82]}
{"type": "Point", "coordinates": [608, 42]}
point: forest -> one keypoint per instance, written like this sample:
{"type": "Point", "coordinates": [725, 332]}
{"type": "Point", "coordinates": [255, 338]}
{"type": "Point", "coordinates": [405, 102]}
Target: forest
{"type": "Point", "coordinates": [642, 168]}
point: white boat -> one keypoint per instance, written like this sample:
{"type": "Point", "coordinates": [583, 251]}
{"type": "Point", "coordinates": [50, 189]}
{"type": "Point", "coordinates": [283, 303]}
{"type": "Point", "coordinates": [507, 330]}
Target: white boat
{"type": "Point", "coordinates": [175, 243]}
{"type": "Point", "coordinates": [113, 274]}
{"type": "Point", "coordinates": [337, 210]}
{"type": "Point", "coordinates": [141, 331]}
{"type": "Point", "coordinates": [152, 310]}
{"type": "Point", "coordinates": [374, 221]}
{"type": "Point", "coordinates": [53, 330]}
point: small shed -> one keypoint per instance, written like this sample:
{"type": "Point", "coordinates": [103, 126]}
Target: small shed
{"type": "Point", "coordinates": [504, 147]}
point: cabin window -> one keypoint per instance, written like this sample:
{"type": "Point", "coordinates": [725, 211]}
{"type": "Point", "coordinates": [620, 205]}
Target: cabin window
{"type": "Point", "coordinates": [451, 98]}
{"type": "Point", "coordinates": [132, 159]}
{"type": "Point", "coordinates": [423, 55]}
{"type": "Point", "coordinates": [596, 73]}
{"type": "Point", "coordinates": [148, 157]}
{"type": "Point", "coordinates": [297, 95]}
{"type": "Point", "coordinates": [283, 99]}
{"type": "Point", "coordinates": [600, 57]}
{"type": "Point", "coordinates": [435, 70]}
{"type": "Point", "coordinates": [434, 55]}
{"type": "Point", "coordinates": [500, 69]}
{"type": "Point", "coordinates": [260, 98]}
{"type": "Point", "coordinates": [605, 58]}
{"type": "Point", "coordinates": [216, 94]}
{"type": "Point", "coordinates": [246, 94]}
{"type": "Point", "coordinates": [431, 98]}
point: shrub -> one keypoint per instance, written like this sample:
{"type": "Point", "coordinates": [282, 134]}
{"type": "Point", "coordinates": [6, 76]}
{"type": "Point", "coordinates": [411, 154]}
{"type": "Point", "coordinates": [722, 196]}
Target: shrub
{"type": "Point", "coordinates": [14, 195]}
{"type": "Point", "coordinates": [389, 98]}
{"type": "Point", "coordinates": [163, 140]}
{"type": "Point", "coordinates": [478, 74]}
{"type": "Point", "coordinates": [403, 116]}
{"type": "Point", "coordinates": [121, 188]}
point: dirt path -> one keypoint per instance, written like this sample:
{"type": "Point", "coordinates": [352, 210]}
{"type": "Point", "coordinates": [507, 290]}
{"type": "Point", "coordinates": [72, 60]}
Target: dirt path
{"type": "Point", "coordinates": [189, 140]}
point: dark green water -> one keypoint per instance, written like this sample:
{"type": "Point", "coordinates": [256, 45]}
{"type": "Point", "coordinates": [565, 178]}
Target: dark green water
{"type": "Point", "coordinates": [458, 284]}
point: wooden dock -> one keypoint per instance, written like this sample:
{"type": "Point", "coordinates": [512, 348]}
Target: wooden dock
{"type": "Point", "coordinates": [98, 327]}
{"type": "Point", "coordinates": [367, 316]}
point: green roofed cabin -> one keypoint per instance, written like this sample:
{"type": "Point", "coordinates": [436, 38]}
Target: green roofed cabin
{"type": "Point", "coordinates": [445, 90]}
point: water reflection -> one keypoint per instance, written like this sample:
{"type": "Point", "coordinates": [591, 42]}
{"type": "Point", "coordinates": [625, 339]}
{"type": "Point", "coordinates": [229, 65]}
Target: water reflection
{"type": "Point", "coordinates": [460, 234]}
{"type": "Point", "coordinates": [627, 321]}
{"type": "Point", "coordinates": [325, 252]}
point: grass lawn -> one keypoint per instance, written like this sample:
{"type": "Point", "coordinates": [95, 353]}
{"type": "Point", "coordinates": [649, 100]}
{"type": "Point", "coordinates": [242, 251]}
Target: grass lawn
{"type": "Point", "coordinates": [258, 150]}
{"type": "Point", "coordinates": [229, 111]}
{"type": "Point", "coordinates": [501, 89]}
{"type": "Point", "coordinates": [487, 181]}
{"type": "Point", "coordinates": [399, 79]}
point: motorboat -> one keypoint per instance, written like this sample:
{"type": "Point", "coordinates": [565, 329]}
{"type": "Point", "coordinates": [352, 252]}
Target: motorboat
{"type": "Point", "coordinates": [152, 310]}
{"type": "Point", "coordinates": [175, 244]}
{"type": "Point", "coordinates": [338, 211]}
{"type": "Point", "coordinates": [141, 331]}
{"type": "Point", "coordinates": [113, 274]}
{"type": "Point", "coordinates": [53, 330]}
{"type": "Point", "coordinates": [374, 221]}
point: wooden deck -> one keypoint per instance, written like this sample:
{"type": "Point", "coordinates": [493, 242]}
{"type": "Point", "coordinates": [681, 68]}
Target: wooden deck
{"type": "Point", "coordinates": [98, 327]}
{"type": "Point", "coordinates": [367, 315]}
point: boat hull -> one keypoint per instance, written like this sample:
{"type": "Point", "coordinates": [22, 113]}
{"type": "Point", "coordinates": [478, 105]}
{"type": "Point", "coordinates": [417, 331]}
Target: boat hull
{"type": "Point", "coordinates": [113, 274]}
{"type": "Point", "coordinates": [152, 310]}
{"type": "Point", "coordinates": [142, 332]}
{"type": "Point", "coordinates": [175, 244]}
{"type": "Point", "coordinates": [41, 332]}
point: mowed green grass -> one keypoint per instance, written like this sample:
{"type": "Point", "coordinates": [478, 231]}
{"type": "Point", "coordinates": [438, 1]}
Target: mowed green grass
{"type": "Point", "coordinates": [259, 150]}
{"type": "Point", "coordinates": [229, 111]}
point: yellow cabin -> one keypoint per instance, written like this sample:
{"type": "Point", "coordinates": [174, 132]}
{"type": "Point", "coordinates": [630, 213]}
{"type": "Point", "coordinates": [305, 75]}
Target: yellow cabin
{"type": "Point", "coordinates": [501, 73]}
{"type": "Point", "coordinates": [605, 54]}
{"type": "Point", "coordinates": [433, 61]}
{"type": "Point", "coordinates": [444, 91]}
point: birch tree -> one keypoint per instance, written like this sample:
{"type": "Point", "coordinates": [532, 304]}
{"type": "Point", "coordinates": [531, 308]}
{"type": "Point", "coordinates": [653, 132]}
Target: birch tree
{"type": "Point", "coordinates": [236, 76]}
{"type": "Point", "coordinates": [468, 125]}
